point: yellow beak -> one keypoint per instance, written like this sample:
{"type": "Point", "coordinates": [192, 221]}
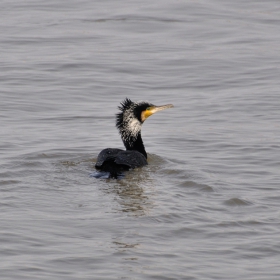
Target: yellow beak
{"type": "Point", "coordinates": [151, 110]}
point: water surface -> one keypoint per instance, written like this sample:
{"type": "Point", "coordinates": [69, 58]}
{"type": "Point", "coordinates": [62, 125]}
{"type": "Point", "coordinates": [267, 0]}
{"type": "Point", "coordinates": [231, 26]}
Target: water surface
{"type": "Point", "coordinates": [206, 206]}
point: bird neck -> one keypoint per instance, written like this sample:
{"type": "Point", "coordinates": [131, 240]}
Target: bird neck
{"type": "Point", "coordinates": [129, 128]}
{"type": "Point", "coordinates": [135, 143]}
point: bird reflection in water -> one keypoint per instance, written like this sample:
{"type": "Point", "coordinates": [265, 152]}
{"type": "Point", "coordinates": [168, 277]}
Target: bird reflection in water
{"type": "Point", "coordinates": [134, 193]}
{"type": "Point", "coordinates": [135, 198]}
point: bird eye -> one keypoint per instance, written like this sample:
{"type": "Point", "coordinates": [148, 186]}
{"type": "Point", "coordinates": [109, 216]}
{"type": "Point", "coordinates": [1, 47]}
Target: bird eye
{"type": "Point", "coordinates": [149, 108]}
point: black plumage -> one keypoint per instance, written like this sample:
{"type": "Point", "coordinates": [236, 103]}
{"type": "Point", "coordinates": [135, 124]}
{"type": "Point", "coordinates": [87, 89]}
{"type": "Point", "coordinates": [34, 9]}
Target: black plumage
{"type": "Point", "coordinates": [129, 122]}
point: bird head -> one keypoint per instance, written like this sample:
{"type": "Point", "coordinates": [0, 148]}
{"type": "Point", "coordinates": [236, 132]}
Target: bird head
{"type": "Point", "coordinates": [133, 115]}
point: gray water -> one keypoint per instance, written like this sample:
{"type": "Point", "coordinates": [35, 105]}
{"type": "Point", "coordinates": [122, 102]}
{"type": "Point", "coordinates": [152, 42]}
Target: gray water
{"type": "Point", "coordinates": [206, 206]}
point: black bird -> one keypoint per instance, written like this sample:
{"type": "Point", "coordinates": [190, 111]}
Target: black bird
{"type": "Point", "coordinates": [129, 122]}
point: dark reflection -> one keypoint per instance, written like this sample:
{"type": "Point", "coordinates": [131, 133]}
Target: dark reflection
{"type": "Point", "coordinates": [134, 197]}
{"type": "Point", "coordinates": [125, 250]}
{"type": "Point", "coordinates": [125, 245]}
{"type": "Point", "coordinates": [134, 192]}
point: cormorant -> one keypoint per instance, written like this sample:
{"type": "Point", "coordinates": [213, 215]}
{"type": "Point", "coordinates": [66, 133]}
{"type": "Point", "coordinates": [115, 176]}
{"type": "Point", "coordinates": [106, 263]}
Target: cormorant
{"type": "Point", "coordinates": [129, 122]}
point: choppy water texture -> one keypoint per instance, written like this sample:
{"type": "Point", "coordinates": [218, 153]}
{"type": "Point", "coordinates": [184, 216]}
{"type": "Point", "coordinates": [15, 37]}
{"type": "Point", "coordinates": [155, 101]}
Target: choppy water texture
{"type": "Point", "coordinates": [206, 206]}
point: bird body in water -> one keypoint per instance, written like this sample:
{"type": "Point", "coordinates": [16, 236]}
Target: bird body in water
{"type": "Point", "coordinates": [129, 123]}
